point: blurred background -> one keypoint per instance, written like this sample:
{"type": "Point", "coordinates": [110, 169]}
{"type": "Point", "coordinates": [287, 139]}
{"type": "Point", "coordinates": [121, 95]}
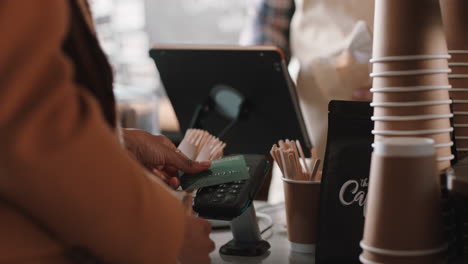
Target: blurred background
{"type": "Point", "coordinates": [128, 28]}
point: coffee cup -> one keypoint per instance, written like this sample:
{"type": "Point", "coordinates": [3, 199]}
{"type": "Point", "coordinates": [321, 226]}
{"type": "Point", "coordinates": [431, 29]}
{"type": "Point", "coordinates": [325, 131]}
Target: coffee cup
{"type": "Point", "coordinates": [403, 205]}
{"type": "Point", "coordinates": [302, 202]}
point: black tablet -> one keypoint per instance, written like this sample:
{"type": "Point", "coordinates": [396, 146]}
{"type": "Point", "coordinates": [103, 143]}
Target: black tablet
{"type": "Point", "coordinates": [244, 95]}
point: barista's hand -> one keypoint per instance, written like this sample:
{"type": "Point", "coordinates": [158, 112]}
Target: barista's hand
{"type": "Point", "coordinates": [160, 156]}
{"type": "Point", "coordinates": [197, 244]}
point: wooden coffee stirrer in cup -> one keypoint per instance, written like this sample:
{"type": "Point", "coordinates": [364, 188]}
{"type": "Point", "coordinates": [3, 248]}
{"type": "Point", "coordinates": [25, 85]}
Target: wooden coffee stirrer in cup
{"type": "Point", "coordinates": [291, 160]}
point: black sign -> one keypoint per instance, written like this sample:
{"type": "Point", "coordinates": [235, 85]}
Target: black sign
{"type": "Point", "coordinates": [344, 182]}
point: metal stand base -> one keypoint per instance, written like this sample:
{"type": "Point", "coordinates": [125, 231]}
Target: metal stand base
{"type": "Point", "coordinates": [234, 248]}
{"type": "Point", "coordinates": [247, 239]}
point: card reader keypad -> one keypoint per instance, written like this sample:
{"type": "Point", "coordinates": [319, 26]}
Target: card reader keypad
{"type": "Point", "coordinates": [224, 193]}
{"type": "Point", "coordinates": [229, 200]}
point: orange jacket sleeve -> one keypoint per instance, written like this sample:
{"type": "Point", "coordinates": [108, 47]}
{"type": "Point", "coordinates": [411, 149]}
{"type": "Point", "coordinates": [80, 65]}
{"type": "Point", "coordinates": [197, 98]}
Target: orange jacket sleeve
{"type": "Point", "coordinates": [60, 164]}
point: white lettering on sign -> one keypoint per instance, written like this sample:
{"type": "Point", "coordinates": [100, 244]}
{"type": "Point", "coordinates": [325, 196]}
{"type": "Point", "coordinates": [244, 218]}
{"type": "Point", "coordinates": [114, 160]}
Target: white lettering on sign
{"type": "Point", "coordinates": [359, 196]}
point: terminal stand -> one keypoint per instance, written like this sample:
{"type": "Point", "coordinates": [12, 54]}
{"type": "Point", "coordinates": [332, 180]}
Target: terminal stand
{"type": "Point", "coordinates": [247, 238]}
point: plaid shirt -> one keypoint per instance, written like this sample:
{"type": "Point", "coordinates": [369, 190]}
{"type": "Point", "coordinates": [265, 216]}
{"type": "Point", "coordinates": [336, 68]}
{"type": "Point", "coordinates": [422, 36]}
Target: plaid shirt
{"type": "Point", "coordinates": [269, 24]}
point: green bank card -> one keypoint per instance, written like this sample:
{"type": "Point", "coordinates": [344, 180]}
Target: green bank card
{"type": "Point", "coordinates": [232, 168]}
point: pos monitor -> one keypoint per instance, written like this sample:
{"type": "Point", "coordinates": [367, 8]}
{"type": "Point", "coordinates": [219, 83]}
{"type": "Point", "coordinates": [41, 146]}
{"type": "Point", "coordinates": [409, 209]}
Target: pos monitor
{"type": "Point", "coordinates": [243, 95]}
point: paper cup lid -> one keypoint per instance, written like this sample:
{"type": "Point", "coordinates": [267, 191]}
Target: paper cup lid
{"type": "Point", "coordinates": [405, 147]}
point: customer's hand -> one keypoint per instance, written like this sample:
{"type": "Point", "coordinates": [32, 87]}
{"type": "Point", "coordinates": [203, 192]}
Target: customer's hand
{"type": "Point", "coordinates": [197, 244]}
{"type": "Point", "coordinates": [160, 156]}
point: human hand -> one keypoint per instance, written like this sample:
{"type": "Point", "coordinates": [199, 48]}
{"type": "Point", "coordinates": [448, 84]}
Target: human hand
{"type": "Point", "coordinates": [160, 156]}
{"type": "Point", "coordinates": [197, 244]}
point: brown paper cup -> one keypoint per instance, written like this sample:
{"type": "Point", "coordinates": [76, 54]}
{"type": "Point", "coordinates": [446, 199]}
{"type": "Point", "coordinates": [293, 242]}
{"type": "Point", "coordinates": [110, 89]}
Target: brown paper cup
{"type": "Point", "coordinates": [459, 95]}
{"type": "Point", "coordinates": [444, 152]}
{"type": "Point", "coordinates": [459, 69]}
{"type": "Point", "coordinates": [462, 143]}
{"type": "Point", "coordinates": [431, 95]}
{"type": "Point", "coordinates": [403, 203]}
{"type": "Point", "coordinates": [302, 202]}
{"type": "Point", "coordinates": [404, 27]}
{"type": "Point", "coordinates": [461, 131]}
{"type": "Point", "coordinates": [369, 257]}
{"type": "Point", "coordinates": [459, 83]}
{"type": "Point", "coordinates": [439, 138]}
{"type": "Point", "coordinates": [412, 80]}
{"type": "Point", "coordinates": [458, 57]}
{"type": "Point", "coordinates": [454, 19]}
{"type": "Point", "coordinates": [460, 119]}
{"type": "Point", "coordinates": [444, 165]}
{"type": "Point", "coordinates": [412, 110]}
{"type": "Point", "coordinates": [460, 107]}
{"type": "Point", "coordinates": [412, 124]}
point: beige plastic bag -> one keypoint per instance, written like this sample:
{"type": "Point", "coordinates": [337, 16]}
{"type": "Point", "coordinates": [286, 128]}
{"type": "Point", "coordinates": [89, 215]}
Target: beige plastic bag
{"type": "Point", "coordinates": [331, 39]}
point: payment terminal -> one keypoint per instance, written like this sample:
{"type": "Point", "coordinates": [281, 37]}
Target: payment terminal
{"type": "Point", "coordinates": [233, 201]}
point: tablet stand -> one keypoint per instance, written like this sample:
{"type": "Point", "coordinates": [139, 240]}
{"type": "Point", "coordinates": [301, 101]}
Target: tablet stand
{"type": "Point", "coordinates": [247, 238]}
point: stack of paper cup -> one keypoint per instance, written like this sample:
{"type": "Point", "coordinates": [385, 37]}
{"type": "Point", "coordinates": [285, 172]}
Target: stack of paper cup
{"type": "Point", "coordinates": [403, 221]}
{"type": "Point", "coordinates": [454, 16]}
{"type": "Point", "coordinates": [410, 74]}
